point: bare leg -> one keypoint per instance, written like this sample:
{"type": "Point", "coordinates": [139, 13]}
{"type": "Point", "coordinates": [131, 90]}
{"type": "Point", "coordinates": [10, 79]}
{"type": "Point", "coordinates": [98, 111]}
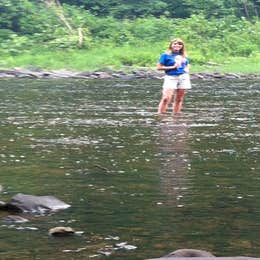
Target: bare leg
{"type": "Point", "coordinates": [178, 100]}
{"type": "Point", "coordinates": [166, 99]}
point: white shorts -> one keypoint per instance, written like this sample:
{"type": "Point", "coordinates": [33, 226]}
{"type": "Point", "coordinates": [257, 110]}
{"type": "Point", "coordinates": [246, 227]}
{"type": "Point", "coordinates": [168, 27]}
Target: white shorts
{"type": "Point", "coordinates": [177, 82]}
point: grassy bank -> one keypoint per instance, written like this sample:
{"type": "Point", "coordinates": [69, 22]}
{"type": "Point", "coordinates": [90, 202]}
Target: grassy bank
{"type": "Point", "coordinates": [221, 45]}
{"type": "Point", "coordinates": [121, 57]}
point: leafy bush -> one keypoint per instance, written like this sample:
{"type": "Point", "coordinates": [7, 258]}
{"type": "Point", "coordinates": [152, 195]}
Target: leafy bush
{"type": "Point", "coordinates": [30, 25]}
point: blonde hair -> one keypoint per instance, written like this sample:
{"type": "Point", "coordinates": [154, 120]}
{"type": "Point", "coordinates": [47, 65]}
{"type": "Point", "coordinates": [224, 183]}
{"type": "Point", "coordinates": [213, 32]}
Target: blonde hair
{"type": "Point", "coordinates": [183, 51]}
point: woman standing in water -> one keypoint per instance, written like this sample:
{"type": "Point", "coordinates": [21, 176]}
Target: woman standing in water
{"type": "Point", "coordinates": [176, 80]}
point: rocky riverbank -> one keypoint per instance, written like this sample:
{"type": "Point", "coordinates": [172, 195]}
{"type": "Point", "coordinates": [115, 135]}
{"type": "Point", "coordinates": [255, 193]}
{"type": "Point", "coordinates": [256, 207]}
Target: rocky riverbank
{"type": "Point", "coordinates": [129, 73]}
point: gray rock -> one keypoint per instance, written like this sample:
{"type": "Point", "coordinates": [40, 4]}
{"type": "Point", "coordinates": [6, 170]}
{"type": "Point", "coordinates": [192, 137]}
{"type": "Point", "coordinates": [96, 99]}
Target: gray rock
{"type": "Point", "coordinates": [35, 204]}
{"type": "Point", "coordinates": [189, 253]}
{"type": "Point", "coordinates": [15, 219]}
{"type": "Point", "coordinates": [207, 258]}
{"type": "Point", "coordinates": [128, 73]}
{"type": "Point", "coordinates": [105, 75]}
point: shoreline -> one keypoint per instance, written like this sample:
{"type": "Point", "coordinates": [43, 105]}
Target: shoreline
{"type": "Point", "coordinates": [129, 73]}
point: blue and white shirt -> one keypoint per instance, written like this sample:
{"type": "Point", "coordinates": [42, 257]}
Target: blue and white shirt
{"type": "Point", "coordinates": [171, 59]}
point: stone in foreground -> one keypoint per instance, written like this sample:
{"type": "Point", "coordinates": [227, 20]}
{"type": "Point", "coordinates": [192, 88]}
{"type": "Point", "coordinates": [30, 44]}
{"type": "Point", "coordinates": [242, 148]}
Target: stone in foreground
{"type": "Point", "coordinates": [189, 254]}
{"type": "Point", "coordinates": [61, 231]}
{"type": "Point", "coordinates": [35, 204]}
{"type": "Point", "coordinates": [206, 258]}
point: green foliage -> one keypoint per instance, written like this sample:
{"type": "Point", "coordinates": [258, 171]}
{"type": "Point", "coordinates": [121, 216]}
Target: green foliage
{"type": "Point", "coordinates": [32, 26]}
{"type": "Point", "coordinates": [122, 9]}
{"type": "Point", "coordinates": [141, 57]}
{"type": "Point", "coordinates": [12, 13]}
{"type": "Point", "coordinates": [114, 58]}
{"type": "Point", "coordinates": [131, 9]}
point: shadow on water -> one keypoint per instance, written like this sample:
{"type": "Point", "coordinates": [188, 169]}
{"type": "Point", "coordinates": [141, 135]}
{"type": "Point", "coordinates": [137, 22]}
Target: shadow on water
{"type": "Point", "coordinates": [140, 186]}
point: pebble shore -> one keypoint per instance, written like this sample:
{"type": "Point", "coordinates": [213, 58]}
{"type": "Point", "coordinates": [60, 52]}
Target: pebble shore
{"type": "Point", "coordinates": [143, 73]}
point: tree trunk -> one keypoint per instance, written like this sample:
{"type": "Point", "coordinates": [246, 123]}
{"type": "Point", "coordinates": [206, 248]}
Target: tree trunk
{"type": "Point", "coordinates": [81, 36]}
{"type": "Point", "coordinates": [246, 9]}
{"type": "Point", "coordinates": [57, 8]}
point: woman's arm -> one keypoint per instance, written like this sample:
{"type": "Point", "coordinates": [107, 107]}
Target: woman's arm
{"type": "Point", "coordinates": [160, 66]}
{"type": "Point", "coordinates": [187, 68]}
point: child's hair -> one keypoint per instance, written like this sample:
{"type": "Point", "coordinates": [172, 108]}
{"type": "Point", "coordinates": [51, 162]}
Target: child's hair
{"type": "Point", "coordinates": [183, 51]}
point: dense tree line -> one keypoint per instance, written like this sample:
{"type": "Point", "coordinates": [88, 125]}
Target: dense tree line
{"type": "Point", "coordinates": [213, 27]}
{"type": "Point", "coordinates": [13, 13]}
{"type": "Point", "coordinates": [174, 9]}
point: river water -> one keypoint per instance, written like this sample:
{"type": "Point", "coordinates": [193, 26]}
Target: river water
{"type": "Point", "coordinates": [140, 185]}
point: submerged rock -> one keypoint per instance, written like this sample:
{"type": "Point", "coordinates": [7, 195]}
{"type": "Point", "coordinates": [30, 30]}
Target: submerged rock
{"type": "Point", "coordinates": [189, 253]}
{"type": "Point", "coordinates": [61, 231]}
{"type": "Point", "coordinates": [15, 219]}
{"type": "Point", "coordinates": [34, 204]}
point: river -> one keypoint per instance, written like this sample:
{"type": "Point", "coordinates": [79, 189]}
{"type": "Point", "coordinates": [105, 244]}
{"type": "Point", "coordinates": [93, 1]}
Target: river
{"type": "Point", "coordinates": [140, 185]}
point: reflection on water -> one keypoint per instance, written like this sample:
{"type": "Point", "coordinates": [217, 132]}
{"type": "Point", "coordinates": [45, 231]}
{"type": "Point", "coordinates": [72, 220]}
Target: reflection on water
{"type": "Point", "coordinates": [140, 186]}
{"type": "Point", "coordinates": [175, 159]}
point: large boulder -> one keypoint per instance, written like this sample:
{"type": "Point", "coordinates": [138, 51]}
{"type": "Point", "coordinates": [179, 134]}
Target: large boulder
{"type": "Point", "coordinates": [35, 204]}
{"type": "Point", "coordinates": [189, 254]}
